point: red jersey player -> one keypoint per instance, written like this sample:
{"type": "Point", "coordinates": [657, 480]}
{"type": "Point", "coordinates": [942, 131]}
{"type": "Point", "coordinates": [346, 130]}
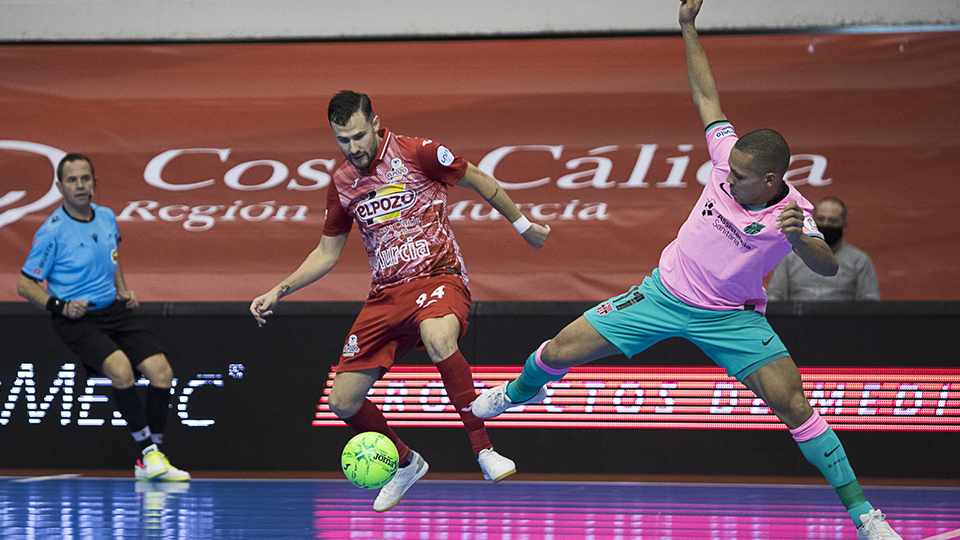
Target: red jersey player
{"type": "Point", "coordinates": [395, 189]}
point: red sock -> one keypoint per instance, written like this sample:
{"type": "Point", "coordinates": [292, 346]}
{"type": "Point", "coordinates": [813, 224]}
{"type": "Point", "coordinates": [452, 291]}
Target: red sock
{"type": "Point", "coordinates": [457, 379]}
{"type": "Point", "coordinates": [369, 418]}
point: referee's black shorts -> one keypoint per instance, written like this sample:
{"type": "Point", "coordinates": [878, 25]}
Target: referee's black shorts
{"type": "Point", "coordinates": [100, 333]}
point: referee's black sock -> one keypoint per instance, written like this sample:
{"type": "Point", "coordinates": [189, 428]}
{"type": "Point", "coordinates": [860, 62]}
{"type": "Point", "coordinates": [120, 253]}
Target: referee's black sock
{"type": "Point", "coordinates": [157, 410]}
{"type": "Point", "coordinates": [130, 409]}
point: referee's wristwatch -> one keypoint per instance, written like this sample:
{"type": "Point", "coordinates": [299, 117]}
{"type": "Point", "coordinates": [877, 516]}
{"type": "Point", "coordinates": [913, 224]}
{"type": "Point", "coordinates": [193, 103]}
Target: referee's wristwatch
{"type": "Point", "coordinates": [56, 305]}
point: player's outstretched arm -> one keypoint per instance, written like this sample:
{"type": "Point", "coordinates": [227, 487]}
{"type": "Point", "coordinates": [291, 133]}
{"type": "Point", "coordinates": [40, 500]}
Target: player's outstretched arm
{"type": "Point", "coordinates": [702, 86]}
{"type": "Point", "coordinates": [535, 235]}
{"type": "Point", "coordinates": [320, 261]}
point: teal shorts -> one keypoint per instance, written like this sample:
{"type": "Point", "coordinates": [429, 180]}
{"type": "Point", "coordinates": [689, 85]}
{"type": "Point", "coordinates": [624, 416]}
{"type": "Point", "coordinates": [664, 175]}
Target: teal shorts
{"type": "Point", "coordinates": [739, 341]}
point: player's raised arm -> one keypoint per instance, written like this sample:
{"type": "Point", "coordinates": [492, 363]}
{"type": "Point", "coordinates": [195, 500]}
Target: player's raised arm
{"type": "Point", "coordinates": [535, 235]}
{"type": "Point", "coordinates": [702, 86]}
{"type": "Point", "coordinates": [320, 261]}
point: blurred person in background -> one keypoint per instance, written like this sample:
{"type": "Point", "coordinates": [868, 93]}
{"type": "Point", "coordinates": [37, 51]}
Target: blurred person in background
{"type": "Point", "coordinates": [856, 280]}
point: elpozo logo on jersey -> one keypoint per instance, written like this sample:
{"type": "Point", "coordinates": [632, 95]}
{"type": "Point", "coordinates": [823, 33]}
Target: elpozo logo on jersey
{"type": "Point", "coordinates": [385, 203]}
{"type": "Point", "coordinates": [397, 170]}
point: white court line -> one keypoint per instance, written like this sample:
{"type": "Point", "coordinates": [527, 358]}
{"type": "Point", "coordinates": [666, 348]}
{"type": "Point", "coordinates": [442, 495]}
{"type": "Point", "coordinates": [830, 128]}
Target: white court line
{"type": "Point", "coordinates": [42, 478]}
{"type": "Point", "coordinates": [945, 536]}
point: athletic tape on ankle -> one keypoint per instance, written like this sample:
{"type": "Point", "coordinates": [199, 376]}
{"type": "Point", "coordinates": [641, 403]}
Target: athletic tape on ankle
{"type": "Point", "coordinates": [811, 429]}
{"type": "Point", "coordinates": [545, 367]}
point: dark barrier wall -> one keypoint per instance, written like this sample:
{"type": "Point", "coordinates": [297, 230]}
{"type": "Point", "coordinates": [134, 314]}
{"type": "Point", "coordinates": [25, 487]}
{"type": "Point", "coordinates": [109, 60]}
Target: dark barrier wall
{"type": "Point", "coordinates": [246, 396]}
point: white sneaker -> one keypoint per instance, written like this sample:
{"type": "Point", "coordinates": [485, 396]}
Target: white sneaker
{"type": "Point", "coordinates": [155, 466]}
{"type": "Point", "coordinates": [391, 493]}
{"type": "Point", "coordinates": [494, 466]}
{"type": "Point", "coordinates": [875, 527]}
{"type": "Point", "coordinates": [151, 465]}
{"type": "Point", "coordinates": [173, 474]}
{"type": "Point", "coordinates": [494, 401]}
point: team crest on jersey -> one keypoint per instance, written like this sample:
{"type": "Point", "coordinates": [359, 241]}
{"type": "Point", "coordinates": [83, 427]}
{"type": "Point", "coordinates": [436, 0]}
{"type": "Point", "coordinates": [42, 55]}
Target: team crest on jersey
{"type": "Point", "coordinates": [810, 224]}
{"type": "Point", "coordinates": [708, 208]}
{"type": "Point", "coordinates": [351, 348]}
{"type": "Point", "coordinates": [397, 170]}
{"type": "Point", "coordinates": [753, 228]}
{"type": "Point", "coordinates": [385, 204]}
{"type": "Point", "coordinates": [604, 308]}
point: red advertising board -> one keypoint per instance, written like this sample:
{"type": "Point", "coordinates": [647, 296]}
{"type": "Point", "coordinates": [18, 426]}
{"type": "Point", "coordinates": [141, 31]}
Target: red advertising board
{"type": "Point", "coordinates": [687, 397]}
{"type": "Point", "coordinates": [216, 157]}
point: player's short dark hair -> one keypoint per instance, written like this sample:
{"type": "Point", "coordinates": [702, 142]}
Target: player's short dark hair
{"type": "Point", "coordinates": [73, 156]}
{"type": "Point", "coordinates": [345, 104]}
{"type": "Point", "coordinates": [843, 206]}
{"type": "Point", "coordinates": [769, 150]}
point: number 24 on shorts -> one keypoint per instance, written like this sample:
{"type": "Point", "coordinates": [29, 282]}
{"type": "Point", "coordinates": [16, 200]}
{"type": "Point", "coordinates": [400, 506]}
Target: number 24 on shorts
{"type": "Point", "coordinates": [422, 299]}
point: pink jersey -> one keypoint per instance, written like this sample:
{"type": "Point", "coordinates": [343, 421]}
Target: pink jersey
{"type": "Point", "coordinates": [723, 250]}
{"type": "Point", "coordinates": [401, 208]}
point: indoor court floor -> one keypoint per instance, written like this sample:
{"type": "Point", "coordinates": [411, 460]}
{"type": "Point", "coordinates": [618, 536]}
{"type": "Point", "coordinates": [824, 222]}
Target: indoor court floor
{"type": "Point", "coordinates": [79, 508]}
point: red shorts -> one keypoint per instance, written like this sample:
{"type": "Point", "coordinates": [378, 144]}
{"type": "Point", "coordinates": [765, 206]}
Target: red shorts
{"type": "Point", "coordinates": [388, 326]}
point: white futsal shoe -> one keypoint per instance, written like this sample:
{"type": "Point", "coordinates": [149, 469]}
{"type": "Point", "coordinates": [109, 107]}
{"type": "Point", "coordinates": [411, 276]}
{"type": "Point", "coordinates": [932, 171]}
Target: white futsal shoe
{"type": "Point", "coordinates": [875, 527]}
{"type": "Point", "coordinates": [494, 466]}
{"type": "Point", "coordinates": [494, 401]}
{"type": "Point", "coordinates": [391, 493]}
{"type": "Point", "coordinates": [155, 466]}
{"type": "Point", "coordinates": [151, 465]}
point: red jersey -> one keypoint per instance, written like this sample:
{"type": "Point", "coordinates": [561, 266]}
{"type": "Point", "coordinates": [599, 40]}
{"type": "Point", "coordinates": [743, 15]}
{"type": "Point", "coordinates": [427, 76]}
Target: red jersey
{"type": "Point", "coordinates": [401, 209]}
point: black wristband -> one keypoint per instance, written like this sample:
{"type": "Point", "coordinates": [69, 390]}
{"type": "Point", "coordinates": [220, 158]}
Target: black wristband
{"type": "Point", "coordinates": [55, 305]}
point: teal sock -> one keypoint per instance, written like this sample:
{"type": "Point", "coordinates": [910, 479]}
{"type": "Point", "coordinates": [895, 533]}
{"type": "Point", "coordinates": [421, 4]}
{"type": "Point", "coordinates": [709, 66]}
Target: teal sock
{"type": "Point", "coordinates": [852, 494]}
{"type": "Point", "coordinates": [826, 453]}
{"type": "Point", "coordinates": [530, 380]}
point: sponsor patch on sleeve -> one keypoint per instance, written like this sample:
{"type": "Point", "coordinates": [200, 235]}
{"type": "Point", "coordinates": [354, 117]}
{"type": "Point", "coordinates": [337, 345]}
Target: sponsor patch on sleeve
{"type": "Point", "coordinates": [444, 156]}
{"type": "Point", "coordinates": [723, 132]}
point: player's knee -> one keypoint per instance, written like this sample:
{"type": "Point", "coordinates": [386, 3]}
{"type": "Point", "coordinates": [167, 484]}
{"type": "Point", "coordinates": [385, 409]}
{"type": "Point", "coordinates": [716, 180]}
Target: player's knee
{"type": "Point", "coordinates": [163, 377]}
{"type": "Point", "coordinates": [795, 410]}
{"type": "Point", "coordinates": [439, 352]}
{"type": "Point", "coordinates": [117, 368]}
{"type": "Point", "coordinates": [158, 371]}
{"type": "Point", "coordinates": [343, 407]}
{"type": "Point", "coordinates": [121, 379]}
{"type": "Point", "coordinates": [799, 405]}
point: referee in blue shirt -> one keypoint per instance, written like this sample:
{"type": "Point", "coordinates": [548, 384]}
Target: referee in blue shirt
{"type": "Point", "coordinates": [75, 252]}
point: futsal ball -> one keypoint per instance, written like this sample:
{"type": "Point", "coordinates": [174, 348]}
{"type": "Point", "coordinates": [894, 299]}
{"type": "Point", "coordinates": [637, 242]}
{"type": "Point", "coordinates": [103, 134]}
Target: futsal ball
{"type": "Point", "coordinates": [369, 460]}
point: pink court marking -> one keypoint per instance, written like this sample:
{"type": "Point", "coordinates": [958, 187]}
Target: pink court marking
{"type": "Point", "coordinates": [945, 536]}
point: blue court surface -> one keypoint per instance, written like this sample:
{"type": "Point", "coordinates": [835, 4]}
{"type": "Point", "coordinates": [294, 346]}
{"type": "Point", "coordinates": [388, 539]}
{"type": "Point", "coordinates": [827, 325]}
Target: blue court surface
{"type": "Point", "coordinates": [90, 508]}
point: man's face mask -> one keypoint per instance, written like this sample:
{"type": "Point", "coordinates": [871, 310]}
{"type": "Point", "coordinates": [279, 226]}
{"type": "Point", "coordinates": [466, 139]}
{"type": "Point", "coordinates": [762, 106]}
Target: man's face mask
{"type": "Point", "coordinates": [831, 234]}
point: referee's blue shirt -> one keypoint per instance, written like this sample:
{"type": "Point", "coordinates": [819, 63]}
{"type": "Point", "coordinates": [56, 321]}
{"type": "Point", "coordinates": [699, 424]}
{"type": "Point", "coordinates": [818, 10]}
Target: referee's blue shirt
{"type": "Point", "coordinates": [77, 259]}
